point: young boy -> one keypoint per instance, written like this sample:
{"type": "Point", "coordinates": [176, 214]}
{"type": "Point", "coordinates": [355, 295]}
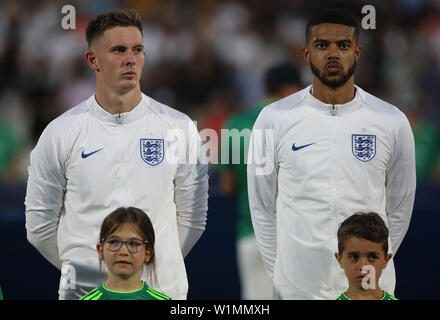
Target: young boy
{"type": "Point", "coordinates": [363, 254]}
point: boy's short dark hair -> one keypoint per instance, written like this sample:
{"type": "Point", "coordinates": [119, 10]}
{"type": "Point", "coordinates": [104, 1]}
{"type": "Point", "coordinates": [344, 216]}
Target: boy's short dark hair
{"type": "Point", "coordinates": [336, 17]}
{"type": "Point", "coordinates": [105, 21]}
{"type": "Point", "coordinates": [369, 226]}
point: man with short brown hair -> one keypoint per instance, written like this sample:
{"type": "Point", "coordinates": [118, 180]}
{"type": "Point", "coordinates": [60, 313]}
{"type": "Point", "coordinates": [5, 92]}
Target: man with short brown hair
{"type": "Point", "coordinates": [109, 151]}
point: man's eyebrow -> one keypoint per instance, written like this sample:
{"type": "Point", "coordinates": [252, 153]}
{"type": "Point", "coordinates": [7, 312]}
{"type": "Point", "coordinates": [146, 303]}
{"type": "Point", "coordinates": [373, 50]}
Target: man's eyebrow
{"type": "Point", "coordinates": [121, 46]}
{"type": "Point", "coordinates": [344, 40]}
{"type": "Point", "coordinates": [118, 46]}
{"type": "Point", "coordinates": [327, 41]}
{"type": "Point", "coordinates": [320, 40]}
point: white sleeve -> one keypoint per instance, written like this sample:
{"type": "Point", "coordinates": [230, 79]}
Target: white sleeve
{"type": "Point", "coordinates": [401, 184]}
{"type": "Point", "coordinates": [262, 177]}
{"type": "Point", "coordinates": [191, 192]}
{"type": "Point", "coordinates": [44, 195]}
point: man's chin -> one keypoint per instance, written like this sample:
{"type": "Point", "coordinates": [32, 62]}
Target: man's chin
{"type": "Point", "coordinates": [333, 84]}
{"type": "Point", "coordinates": [332, 75]}
{"type": "Point", "coordinates": [127, 87]}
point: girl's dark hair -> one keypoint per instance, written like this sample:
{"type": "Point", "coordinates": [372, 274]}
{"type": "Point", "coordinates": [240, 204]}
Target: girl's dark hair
{"type": "Point", "coordinates": [139, 218]}
{"type": "Point", "coordinates": [369, 226]}
{"type": "Point", "coordinates": [105, 21]}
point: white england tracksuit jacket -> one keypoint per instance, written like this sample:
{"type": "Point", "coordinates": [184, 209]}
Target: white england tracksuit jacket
{"type": "Point", "coordinates": [311, 165]}
{"type": "Point", "coordinates": [88, 162]}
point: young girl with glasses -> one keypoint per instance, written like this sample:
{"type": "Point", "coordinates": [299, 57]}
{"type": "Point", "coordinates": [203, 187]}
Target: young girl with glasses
{"type": "Point", "coordinates": [126, 244]}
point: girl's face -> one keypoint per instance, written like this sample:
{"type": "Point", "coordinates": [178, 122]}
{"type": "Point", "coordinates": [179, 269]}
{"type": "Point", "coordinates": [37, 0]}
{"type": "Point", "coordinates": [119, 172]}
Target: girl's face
{"type": "Point", "coordinates": [124, 263]}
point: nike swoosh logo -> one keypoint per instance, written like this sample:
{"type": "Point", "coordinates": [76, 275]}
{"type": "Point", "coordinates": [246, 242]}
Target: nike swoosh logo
{"type": "Point", "coordinates": [85, 155]}
{"type": "Point", "coordinates": [294, 148]}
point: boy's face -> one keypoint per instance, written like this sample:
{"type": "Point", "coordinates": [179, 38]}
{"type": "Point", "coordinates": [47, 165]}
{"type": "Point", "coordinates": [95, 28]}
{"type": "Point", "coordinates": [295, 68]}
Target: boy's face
{"type": "Point", "coordinates": [117, 56]}
{"type": "Point", "coordinates": [362, 255]}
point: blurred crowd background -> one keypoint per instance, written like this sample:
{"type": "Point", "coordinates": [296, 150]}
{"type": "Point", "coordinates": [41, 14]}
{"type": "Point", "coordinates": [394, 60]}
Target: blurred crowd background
{"type": "Point", "coordinates": [207, 58]}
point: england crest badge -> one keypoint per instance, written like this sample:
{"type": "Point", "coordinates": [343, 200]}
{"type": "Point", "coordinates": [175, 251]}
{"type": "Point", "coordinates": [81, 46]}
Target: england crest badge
{"type": "Point", "coordinates": [152, 151]}
{"type": "Point", "coordinates": [363, 146]}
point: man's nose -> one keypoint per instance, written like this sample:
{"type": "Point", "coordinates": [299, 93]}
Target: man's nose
{"type": "Point", "coordinates": [130, 58]}
{"type": "Point", "coordinates": [333, 52]}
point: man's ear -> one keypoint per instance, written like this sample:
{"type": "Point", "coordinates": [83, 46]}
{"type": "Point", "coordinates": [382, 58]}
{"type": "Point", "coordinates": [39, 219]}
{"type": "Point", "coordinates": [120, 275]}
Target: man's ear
{"type": "Point", "coordinates": [306, 53]}
{"type": "Point", "coordinates": [357, 52]}
{"type": "Point", "coordinates": [91, 60]}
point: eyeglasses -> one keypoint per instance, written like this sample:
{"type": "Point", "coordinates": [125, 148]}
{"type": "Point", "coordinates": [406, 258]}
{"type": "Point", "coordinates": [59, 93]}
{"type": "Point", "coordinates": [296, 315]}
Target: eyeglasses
{"type": "Point", "coordinates": [115, 245]}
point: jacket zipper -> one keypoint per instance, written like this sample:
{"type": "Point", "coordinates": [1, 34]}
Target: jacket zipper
{"type": "Point", "coordinates": [333, 110]}
{"type": "Point", "coordinates": [333, 113]}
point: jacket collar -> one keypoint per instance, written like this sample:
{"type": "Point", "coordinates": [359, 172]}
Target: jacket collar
{"type": "Point", "coordinates": [337, 109]}
{"type": "Point", "coordinates": [121, 118]}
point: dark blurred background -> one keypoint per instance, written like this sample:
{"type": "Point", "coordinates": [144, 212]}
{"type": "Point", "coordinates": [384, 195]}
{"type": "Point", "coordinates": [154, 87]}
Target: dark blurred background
{"type": "Point", "coordinates": [207, 58]}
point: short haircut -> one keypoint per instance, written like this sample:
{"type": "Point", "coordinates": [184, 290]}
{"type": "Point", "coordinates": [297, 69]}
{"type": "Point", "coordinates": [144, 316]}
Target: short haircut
{"type": "Point", "coordinates": [105, 21]}
{"type": "Point", "coordinates": [369, 226]}
{"type": "Point", "coordinates": [336, 17]}
{"type": "Point", "coordinates": [280, 75]}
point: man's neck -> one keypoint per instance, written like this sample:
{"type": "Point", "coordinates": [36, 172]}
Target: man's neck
{"type": "Point", "coordinates": [115, 103]}
{"type": "Point", "coordinates": [341, 95]}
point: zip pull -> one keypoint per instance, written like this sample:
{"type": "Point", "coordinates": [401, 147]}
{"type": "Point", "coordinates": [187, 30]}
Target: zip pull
{"type": "Point", "coordinates": [119, 119]}
{"type": "Point", "coordinates": [333, 110]}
